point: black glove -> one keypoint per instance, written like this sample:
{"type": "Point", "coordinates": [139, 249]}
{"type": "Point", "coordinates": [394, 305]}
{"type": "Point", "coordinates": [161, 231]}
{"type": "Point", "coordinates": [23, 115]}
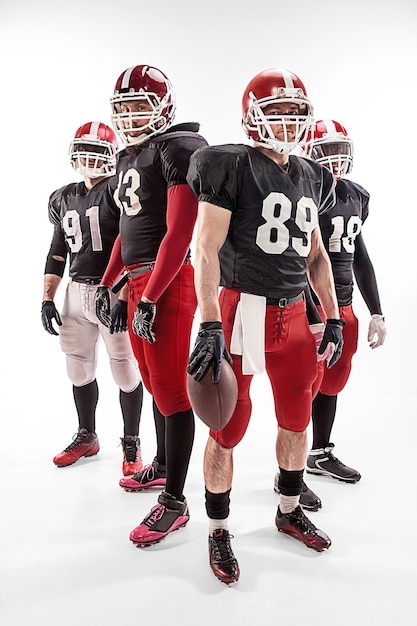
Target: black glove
{"type": "Point", "coordinates": [331, 345]}
{"type": "Point", "coordinates": [48, 313]}
{"type": "Point", "coordinates": [143, 319]}
{"type": "Point", "coordinates": [209, 349]}
{"type": "Point", "coordinates": [118, 316]}
{"type": "Point", "coordinates": [102, 304]}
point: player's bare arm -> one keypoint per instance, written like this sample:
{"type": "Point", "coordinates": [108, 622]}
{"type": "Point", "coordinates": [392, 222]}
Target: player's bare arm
{"type": "Point", "coordinates": [212, 228]}
{"type": "Point", "coordinates": [50, 285]}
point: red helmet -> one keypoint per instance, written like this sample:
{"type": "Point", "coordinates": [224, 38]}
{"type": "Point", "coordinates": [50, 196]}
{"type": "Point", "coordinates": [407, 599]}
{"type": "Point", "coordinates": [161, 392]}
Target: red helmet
{"type": "Point", "coordinates": [328, 143]}
{"type": "Point", "coordinates": [93, 150]}
{"type": "Point", "coordinates": [276, 86]}
{"type": "Point", "coordinates": [144, 85]}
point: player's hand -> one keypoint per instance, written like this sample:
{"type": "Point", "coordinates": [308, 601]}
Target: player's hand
{"type": "Point", "coordinates": [143, 319]}
{"type": "Point", "coordinates": [118, 317]}
{"type": "Point", "coordinates": [49, 313]}
{"type": "Point", "coordinates": [102, 304]}
{"type": "Point", "coordinates": [376, 327]}
{"type": "Point", "coordinates": [209, 349]}
{"type": "Point", "coordinates": [317, 330]}
{"type": "Point", "coordinates": [332, 343]}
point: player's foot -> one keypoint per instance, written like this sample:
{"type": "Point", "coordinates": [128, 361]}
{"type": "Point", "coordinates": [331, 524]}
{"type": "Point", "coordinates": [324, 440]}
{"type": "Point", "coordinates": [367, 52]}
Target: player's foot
{"type": "Point", "coordinates": [222, 560]}
{"type": "Point", "coordinates": [322, 461]}
{"type": "Point", "coordinates": [297, 525]}
{"type": "Point", "coordinates": [84, 443]}
{"type": "Point", "coordinates": [150, 477]}
{"type": "Point", "coordinates": [308, 499]}
{"type": "Point", "coordinates": [132, 458]}
{"type": "Point", "coordinates": [165, 517]}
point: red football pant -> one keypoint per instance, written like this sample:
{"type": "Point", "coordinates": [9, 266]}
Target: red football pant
{"type": "Point", "coordinates": [291, 366]}
{"type": "Point", "coordinates": [163, 364]}
{"type": "Point", "coordinates": [331, 381]}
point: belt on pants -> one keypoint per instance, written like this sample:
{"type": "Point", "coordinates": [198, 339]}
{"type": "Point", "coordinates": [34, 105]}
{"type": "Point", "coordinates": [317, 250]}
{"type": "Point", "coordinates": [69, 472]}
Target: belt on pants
{"type": "Point", "coordinates": [283, 302]}
{"type": "Point", "coordinates": [146, 267]}
{"type": "Point", "coordinates": [86, 281]}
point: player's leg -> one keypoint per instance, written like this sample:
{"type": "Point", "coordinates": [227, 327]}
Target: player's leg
{"type": "Point", "coordinates": [321, 460]}
{"type": "Point", "coordinates": [166, 361]}
{"type": "Point", "coordinates": [79, 340]}
{"type": "Point", "coordinates": [291, 368]}
{"type": "Point", "coordinates": [126, 375]}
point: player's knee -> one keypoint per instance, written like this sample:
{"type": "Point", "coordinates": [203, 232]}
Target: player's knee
{"type": "Point", "coordinates": [80, 373]}
{"type": "Point", "coordinates": [125, 373]}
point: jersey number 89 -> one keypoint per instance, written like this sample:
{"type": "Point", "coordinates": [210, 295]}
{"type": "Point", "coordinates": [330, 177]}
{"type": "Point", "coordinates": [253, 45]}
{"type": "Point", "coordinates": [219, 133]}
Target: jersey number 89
{"type": "Point", "coordinates": [274, 237]}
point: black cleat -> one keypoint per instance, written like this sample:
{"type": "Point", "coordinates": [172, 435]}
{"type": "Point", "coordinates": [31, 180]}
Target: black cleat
{"type": "Point", "coordinates": [222, 560]}
{"type": "Point", "coordinates": [297, 525]}
{"type": "Point", "coordinates": [323, 463]}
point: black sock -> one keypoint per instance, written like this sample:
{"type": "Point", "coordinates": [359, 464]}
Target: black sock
{"type": "Point", "coordinates": [323, 415]}
{"type": "Point", "coordinates": [160, 427]}
{"type": "Point", "coordinates": [218, 504]}
{"type": "Point", "coordinates": [180, 429]}
{"type": "Point", "coordinates": [290, 482]}
{"type": "Point", "coordinates": [131, 405]}
{"type": "Point", "coordinates": [86, 398]}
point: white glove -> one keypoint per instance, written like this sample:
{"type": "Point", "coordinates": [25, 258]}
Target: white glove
{"type": "Point", "coordinates": [376, 327]}
{"type": "Point", "coordinates": [317, 331]}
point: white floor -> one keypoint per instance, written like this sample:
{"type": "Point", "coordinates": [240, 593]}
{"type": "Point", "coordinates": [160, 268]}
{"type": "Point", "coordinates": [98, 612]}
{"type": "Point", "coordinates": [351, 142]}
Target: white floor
{"type": "Point", "coordinates": [65, 553]}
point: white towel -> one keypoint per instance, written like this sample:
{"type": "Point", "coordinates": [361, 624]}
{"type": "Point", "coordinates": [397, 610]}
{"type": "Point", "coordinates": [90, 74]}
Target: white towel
{"type": "Point", "coordinates": [248, 335]}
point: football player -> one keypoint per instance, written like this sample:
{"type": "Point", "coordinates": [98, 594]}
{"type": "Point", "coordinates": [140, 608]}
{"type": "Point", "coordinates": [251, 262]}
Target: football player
{"type": "Point", "coordinates": [258, 236]}
{"type": "Point", "coordinates": [329, 144]}
{"type": "Point", "coordinates": [86, 223]}
{"type": "Point", "coordinates": [158, 213]}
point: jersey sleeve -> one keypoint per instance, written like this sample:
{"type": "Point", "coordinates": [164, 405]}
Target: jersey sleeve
{"type": "Point", "coordinates": [212, 175]}
{"type": "Point", "coordinates": [364, 195]}
{"type": "Point", "coordinates": [175, 157]}
{"type": "Point", "coordinates": [58, 246]}
{"type": "Point", "coordinates": [328, 196]}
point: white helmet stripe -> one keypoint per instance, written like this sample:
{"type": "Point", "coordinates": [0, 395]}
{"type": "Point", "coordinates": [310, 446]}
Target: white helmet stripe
{"type": "Point", "coordinates": [330, 127]}
{"type": "Point", "coordinates": [94, 128]}
{"type": "Point", "coordinates": [289, 84]}
{"type": "Point", "coordinates": [126, 77]}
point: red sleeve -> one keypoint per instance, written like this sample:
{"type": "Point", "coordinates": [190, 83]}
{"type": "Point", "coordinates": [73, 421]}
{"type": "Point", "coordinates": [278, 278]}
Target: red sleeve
{"type": "Point", "coordinates": [181, 218]}
{"type": "Point", "coordinates": [115, 265]}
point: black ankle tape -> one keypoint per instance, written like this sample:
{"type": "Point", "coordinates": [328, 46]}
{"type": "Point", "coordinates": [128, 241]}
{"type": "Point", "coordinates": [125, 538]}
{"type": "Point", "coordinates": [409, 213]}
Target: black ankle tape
{"type": "Point", "coordinates": [290, 482]}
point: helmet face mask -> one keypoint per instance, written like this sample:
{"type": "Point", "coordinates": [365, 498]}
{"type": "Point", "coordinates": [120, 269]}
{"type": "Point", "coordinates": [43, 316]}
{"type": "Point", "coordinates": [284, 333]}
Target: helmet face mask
{"type": "Point", "coordinates": [143, 104]}
{"type": "Point", "coordinates": [328, 143]}
{"type": "Point", "coordinates": [276, 113]}
{"type": "Point", "coordinates": [93, 150]}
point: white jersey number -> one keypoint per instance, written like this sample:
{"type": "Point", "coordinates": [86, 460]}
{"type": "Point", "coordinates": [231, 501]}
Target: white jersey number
{"type": "Point", "coordinates": [353, 228]}
{"type": "Point", "coordinates": [273, 237]}
{"type": "Point", "coordinates": [72, 228]}
{"type": "Point", "coordinates": [130, 181]}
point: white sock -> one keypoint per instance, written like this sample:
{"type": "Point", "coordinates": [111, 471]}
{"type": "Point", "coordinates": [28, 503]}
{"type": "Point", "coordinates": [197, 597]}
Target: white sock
{"type": "Point", "coordinates": [287, 504]}
{"type": "Point", "coordinates": [218, 523]}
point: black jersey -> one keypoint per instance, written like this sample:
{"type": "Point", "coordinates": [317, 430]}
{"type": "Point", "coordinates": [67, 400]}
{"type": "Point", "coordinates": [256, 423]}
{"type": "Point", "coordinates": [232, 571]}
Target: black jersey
{"type": "Point", "coordinates": [273, 215]}
{"type": "Point", "coordinates": [86, 223]}
{"type": "Point", "coordinates": [144, 175]}
{"type": "Point", "coordinates": [339, 228]}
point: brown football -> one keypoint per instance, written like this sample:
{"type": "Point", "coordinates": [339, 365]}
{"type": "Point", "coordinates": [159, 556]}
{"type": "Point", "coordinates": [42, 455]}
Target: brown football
{"type": "Point", "coordinates": [214, 403]}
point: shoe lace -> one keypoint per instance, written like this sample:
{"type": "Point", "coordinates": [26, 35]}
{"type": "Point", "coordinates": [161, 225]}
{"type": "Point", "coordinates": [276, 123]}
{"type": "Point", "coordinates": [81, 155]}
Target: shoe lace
{"type": "Point", "coordinates": [155, 515]}
{"type": "Point", "coordinates": [130, 450]}
{"type": "Point", "coordinates": [302, 521]}
{"type": "Point", "coordinates": [77, 439]}
{"type": "Point", "coordinates": [222, 549]}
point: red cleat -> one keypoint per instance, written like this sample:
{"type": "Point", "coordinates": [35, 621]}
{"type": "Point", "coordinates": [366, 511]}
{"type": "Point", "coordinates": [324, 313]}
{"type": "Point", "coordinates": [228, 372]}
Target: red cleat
{"type": "Point", "coordinates": [168, 515]}
{"type": "Point", "coordinates": [132, 457]}
{"type": "Point", "coordinates": [299, 526]}
{"type": "Point", "coordinates": [84, 444]}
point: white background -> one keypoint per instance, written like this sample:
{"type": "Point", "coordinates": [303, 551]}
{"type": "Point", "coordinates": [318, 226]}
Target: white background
{"type": "Point", "coordinates": [64, 532]}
